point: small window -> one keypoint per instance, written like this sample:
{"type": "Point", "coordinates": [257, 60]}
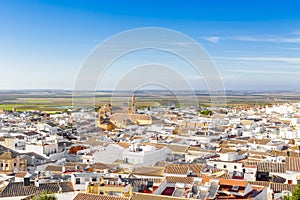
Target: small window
{"type": "Point", "coordinates": [15, 164]}
{"type": "Point", "coordinates": [77, 180]}
{"type": "Point", "coordinates": [224, 166]}
{"type": "Point", "coordinates": [235, 167]}
{"type": "Point", "coordinates": [290, 181]}
{"type": "Point", "coordinates": [215, 165]}
{"type": "Point", "coordinates": [235, 188]}
{"type": "Point", "coordinates": [6, 165]}
{"type": "Point", "coordinates": [1, 164]}
{"type": "Point", "coordinates": [94, 179]}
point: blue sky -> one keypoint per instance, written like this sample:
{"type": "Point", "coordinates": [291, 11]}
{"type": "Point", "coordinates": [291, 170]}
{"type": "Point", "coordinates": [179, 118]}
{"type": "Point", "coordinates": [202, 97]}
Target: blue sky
{"type": "Point", "coordinates": [254, 44]}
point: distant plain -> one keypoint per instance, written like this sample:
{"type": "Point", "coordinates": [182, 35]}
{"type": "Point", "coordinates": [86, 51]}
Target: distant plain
{"type": "Point", "coordinates": [57, 101]}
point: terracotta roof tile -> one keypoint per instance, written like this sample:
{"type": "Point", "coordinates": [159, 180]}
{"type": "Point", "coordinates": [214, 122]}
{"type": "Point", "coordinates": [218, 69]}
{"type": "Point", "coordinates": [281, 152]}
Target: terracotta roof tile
{"type": "Point", "coordinates": [196, 168]}
{"type": "Point", "coordinates": [232, 182]}
{"type": "Point", "coordinates": [176, 179]}
{"type": "Point", "coordinates": [21, 174]}
{"type": "Point", "coordinates": [177, 169]}
{"type": "Point", "coordinates": [250, 163]}
{"type": "Point", "coordinates": [139, 196]}
{"type": "Point", "coordinates": [223, 175]}
{"type": "Point", "coordinates": [102, 166]}
{"type": "Point", "coordinates": [271, 167]}
{"type": "Point", "coordinates": [18, 188]}
{"type": "Point", "coordinates": [150, 171]}
{"type": "Point", "coordinates": [178, 148]}
{"type": "Point", "coordinates": [231, 142]}
{"type": "Point", "coordinates": [279, 187]}
{"type": "Point", "coordinates": [276, 187]}
{"type": "Point", "coordinates": [124, 144]}
{"type": "Point", "coordinates": [293, 164]}
{"type": "Point", "coordinates": [54, 168]}
{"type": "Point", "coordinates": [259, 141]}
{"type": "Point", "coordinates": [82, 196]}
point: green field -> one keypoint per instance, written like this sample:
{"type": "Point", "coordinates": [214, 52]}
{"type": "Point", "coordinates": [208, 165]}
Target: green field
{"type": "Point", "coordinates": [60, 101]}
{"type": "Point", "coordinates": [42, 104]}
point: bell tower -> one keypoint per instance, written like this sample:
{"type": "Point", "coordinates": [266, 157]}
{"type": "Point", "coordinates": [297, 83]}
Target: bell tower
{"type": "Point", "coordinates": [132, 107]}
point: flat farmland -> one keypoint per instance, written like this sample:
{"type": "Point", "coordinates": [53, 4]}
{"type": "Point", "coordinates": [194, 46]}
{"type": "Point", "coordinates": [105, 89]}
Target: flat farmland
{"type": "Point", "coordinates": [57, 101]}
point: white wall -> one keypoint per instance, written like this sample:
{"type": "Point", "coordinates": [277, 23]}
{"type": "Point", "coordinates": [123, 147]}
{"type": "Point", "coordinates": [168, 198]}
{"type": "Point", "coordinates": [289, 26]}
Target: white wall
{"type": "Point", "coordinates": [232, 156]}
{"type": "Point", "coordinates": [229, 165]}
{"type": "Point", "coordinates": [250, 174]}
{"type": "Point", "coordinates": [109, 154]}
{"type": "Point", "coordinates": [146, 158]}
{"type": "Point", "coordinates": [34, 148]}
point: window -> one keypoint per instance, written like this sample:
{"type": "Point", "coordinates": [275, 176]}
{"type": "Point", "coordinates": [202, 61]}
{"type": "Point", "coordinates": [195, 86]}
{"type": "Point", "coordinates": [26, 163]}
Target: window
{"type": "Point", "coordinates": [77, 181]}
{"type": "Point", "coordinates": [215, 165]}
{"type": "Point", "coordinates": [290, 181]}
{"type": "Point", "coordinates": [1, 164]}
{"type": "Point", "coordinates": [6, 165]}
{"type": "Point", "coordinates": [94, 179]}
{"type": "Point", "coordinates": [15, 164]}
{"type": "Point", "coordinates": [235, 167]}
{"type": "Point", "coordinates": [224, 166]}
{"type": "Point", "coordinates": [235, 188]}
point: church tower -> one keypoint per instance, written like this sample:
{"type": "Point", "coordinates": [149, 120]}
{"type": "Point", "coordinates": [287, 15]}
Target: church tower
{"type": "Point", "coordinates": [132, 107]}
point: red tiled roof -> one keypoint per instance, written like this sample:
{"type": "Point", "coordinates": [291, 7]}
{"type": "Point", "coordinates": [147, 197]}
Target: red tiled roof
{"type": "Point", "coordinates": [259, 141]}
{"type": "Point", "coordinates": [139, 196]}
{"type": "Point", "coordinates": [21, 174]}
{"type": "Point", "coordinates": [150, 171]}
{"type": "Point", "coordinates": [124, 144]}
{"type": "Point", "coordinates": [176, 179]}
{"type": "Point", "coordinates": [196, 168]}
{"type": "Point", "coordinates": [176, 169]}
{"type": "Point", "coordinates": [19, 189]}
{"type": "Point", "coordinates": [232, 182]}
{"type": "Point", "coordinates": [293, 164]}
{"type": "Point", "coordinates": [82, 196]}
{"type": "Point", "coordinates": [276, 187]}
{"type": "Point", "coordinates": [54, 168]}
{"type": "Point", "coordinates": [271, 167]}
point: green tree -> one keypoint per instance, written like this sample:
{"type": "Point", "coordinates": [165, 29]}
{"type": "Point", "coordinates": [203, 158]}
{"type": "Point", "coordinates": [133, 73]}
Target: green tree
{"type": "Point", "coordinates": [44, 196]}
{"type": "Point", "coordinates": [295, 194]}
{"type": "Point", "coordinates": [206, 112]}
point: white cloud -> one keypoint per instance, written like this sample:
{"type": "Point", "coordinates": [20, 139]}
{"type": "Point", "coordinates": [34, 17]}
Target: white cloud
{"type": "Point", "coordinates": [294, 38]}
{"type": "Point", "coordinates": [291, 48]}
{"type": "Point", "coordinates": [214, 39]}
{"type": "Point", "coordinates": [265, 71]}
{"type": "Point", "coordinates": [293, 60]}
{"type": "Point", "coordinates": [297, 32]}
{"type": "Point", "coordinates": [267, 39]}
